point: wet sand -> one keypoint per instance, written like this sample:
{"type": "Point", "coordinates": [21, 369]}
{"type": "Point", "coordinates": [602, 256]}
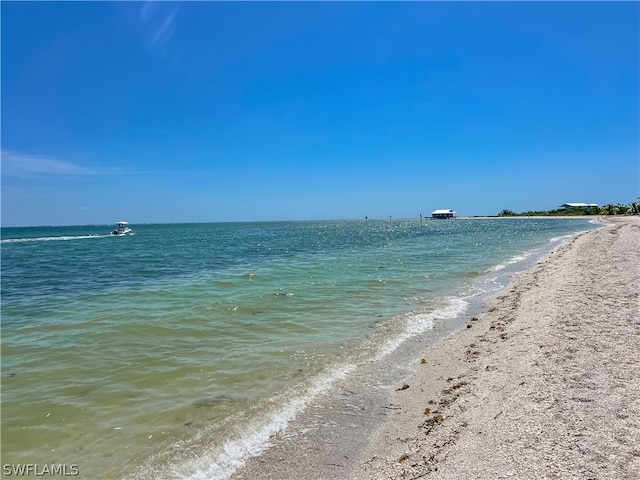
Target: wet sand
{"type": "Point", "coordinates": [545, 383]}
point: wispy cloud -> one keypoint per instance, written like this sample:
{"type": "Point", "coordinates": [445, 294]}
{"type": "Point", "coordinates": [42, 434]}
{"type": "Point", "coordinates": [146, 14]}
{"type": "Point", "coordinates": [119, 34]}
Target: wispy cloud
{"type": "Point", "coordinates": [16, 164]}
{"type": "Point", "coordinates": [159, 17]}
{"type": "Point", "coordinates": [152, 129]}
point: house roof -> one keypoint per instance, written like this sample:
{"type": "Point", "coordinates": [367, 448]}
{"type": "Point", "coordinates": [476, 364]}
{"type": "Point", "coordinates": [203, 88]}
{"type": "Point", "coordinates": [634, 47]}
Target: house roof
{"type": "Point", "coordinates": [436, 212]}
{"type": "Point", "coordinates": [579, 205]}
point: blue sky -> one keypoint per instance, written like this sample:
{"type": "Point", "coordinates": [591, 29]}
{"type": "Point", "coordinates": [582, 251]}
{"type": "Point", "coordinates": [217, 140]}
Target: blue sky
{"type": "Point", "coordinates": [240, 111]}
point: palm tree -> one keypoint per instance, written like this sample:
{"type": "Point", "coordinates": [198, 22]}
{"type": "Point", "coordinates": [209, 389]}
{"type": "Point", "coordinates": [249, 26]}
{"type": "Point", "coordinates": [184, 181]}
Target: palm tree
{"type": "Point", "coordinates": [609, 209]}
{"type": "Point", "coordinates": [622, 209]}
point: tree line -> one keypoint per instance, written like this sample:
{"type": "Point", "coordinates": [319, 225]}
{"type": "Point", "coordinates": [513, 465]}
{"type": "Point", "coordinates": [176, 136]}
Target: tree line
{"type": "Point", "coordinates": [632, 208]}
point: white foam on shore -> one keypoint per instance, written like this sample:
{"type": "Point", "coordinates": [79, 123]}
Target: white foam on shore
{"type": "Point", "coordinates": [554, 241]}
{"type": "Point", "coordinates": [563, 238]}
{"type": "Point", "coordinates": [511, 261]}
{"type": "Point", "coordinates": [254, 441]}
{"type": "Point", "coordinates": [421, 322]}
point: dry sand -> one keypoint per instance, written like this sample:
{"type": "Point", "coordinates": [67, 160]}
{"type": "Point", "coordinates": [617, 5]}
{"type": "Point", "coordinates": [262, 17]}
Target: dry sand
{"type": "Point", "coordinates": [544, 384]}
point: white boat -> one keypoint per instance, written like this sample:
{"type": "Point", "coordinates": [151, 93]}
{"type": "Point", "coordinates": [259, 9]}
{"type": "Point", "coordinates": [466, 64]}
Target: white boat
{"type": "Point", "coordinates": [122, 228]}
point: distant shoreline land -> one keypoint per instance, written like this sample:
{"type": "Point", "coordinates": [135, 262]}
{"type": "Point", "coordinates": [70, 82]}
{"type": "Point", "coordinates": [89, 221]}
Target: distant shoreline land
{"type": "Point", "coordinates": [579, 209]}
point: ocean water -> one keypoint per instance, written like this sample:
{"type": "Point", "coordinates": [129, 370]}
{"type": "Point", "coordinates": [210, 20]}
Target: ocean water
{"type": "Point", "coordinates": [174, 352]}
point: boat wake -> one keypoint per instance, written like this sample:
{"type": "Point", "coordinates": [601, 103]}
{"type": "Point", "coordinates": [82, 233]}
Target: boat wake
{"type": "Point", "coordinates": [51, 239]}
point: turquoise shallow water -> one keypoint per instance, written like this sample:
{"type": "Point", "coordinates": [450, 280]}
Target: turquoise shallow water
{"type": "Point", "coordinates": [180, 348]}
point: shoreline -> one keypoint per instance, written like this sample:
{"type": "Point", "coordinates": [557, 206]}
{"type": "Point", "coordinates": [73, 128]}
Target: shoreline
{"type": "Point", "coordinates": [524, 391]}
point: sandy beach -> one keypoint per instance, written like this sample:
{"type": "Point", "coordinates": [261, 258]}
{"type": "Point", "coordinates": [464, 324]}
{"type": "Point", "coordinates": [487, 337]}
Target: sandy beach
{"type": "Point", "coordinates": [544, 383]}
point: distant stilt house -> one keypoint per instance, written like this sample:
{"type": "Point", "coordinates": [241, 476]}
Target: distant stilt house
{"type": "Point", "coordinates": [443, 214]}
{"type": "Point", "coordinates": [569, 206]}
